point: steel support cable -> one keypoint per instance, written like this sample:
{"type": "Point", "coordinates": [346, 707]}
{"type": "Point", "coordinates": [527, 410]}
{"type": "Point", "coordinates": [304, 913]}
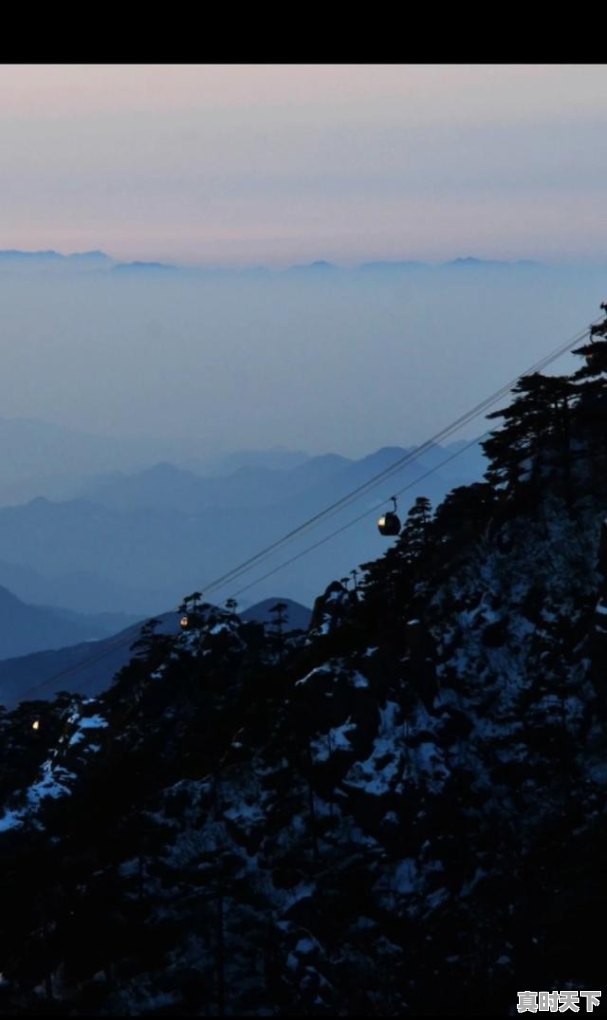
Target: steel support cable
{"type": "Point", "coordinates": [332, 509]}
{"type": "Point", "coordinates": [91, 660]}
{"type": "Point", "coordinates": [78, 666]}
{"type": "Point", "coordinates": [232, 575]}
{"type": "Point", "coordinates": [360, 517]}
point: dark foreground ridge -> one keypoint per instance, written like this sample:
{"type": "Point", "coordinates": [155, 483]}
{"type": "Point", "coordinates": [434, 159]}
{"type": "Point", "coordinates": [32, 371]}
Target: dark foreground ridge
{"type": "Point", "coordinates": [400, 811]}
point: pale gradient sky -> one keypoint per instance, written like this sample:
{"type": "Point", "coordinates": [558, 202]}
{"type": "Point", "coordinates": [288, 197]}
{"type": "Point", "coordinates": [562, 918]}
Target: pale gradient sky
{"type": "Point", "coordinates": [274, 164]}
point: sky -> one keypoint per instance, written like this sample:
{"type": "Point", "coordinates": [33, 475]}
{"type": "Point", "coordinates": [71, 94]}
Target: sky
{"type": "Point", "coordinates": [274, 164]}
{"type": "Point", "coordinates": [279, 165]}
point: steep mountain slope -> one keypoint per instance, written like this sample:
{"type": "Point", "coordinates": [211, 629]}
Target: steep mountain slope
{"type": "Point", "coordinates": [324, 840]}
{"type": "Point", "coordinates": [401, 812]}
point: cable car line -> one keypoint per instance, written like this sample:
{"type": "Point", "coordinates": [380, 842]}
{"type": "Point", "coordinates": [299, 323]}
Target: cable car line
{"type": "Point", "coordinates": [77, 667]}
{"type": "Point", "coordinates": [232, 575]}
{"type": "Point", "coordinates": [360, 517]}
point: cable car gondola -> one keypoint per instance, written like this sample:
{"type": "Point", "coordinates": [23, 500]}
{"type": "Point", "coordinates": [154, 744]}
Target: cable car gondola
{"type": "Point", "coordinates": [389, 524]}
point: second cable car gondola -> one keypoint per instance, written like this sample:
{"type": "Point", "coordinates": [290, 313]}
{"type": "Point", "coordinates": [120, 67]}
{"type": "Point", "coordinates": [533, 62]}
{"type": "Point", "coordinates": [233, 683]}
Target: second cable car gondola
{"type": "Point", "coordinates": [389, 524]}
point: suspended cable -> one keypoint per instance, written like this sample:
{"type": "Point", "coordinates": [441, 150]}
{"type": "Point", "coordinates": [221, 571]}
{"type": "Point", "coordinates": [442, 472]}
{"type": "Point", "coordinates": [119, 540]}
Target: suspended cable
{"type": "Point", "coordinates": [356, 520]}
{"type": "Point", "coordinates": [408, 458]}
{"type": "Point", "coordinates": [78, 666]}
{"type": "Point", "coordinates": [335, 507]}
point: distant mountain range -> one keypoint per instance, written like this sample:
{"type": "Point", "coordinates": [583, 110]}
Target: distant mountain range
{"type": "Point", "coordinates": [25, 628]}
{"type": "Point", "coordinates": [137, 542]}
{"type": "Point", "coordinates": [297, 616]}
{"type": "Point", "coordinates": [98, 261]}
{"type": "Point", "coordinates": [40, 458]}
{"type": "Point", "coordinates": [88, 667]}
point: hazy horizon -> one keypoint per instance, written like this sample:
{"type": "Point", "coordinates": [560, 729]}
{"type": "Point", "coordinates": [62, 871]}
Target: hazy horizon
{"type": "Point", "coordinates": [326, 361]}
{"type": "Point", "coordinates": [315, 259]}
{"type": "Point", "coordinates": [282, 163]}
